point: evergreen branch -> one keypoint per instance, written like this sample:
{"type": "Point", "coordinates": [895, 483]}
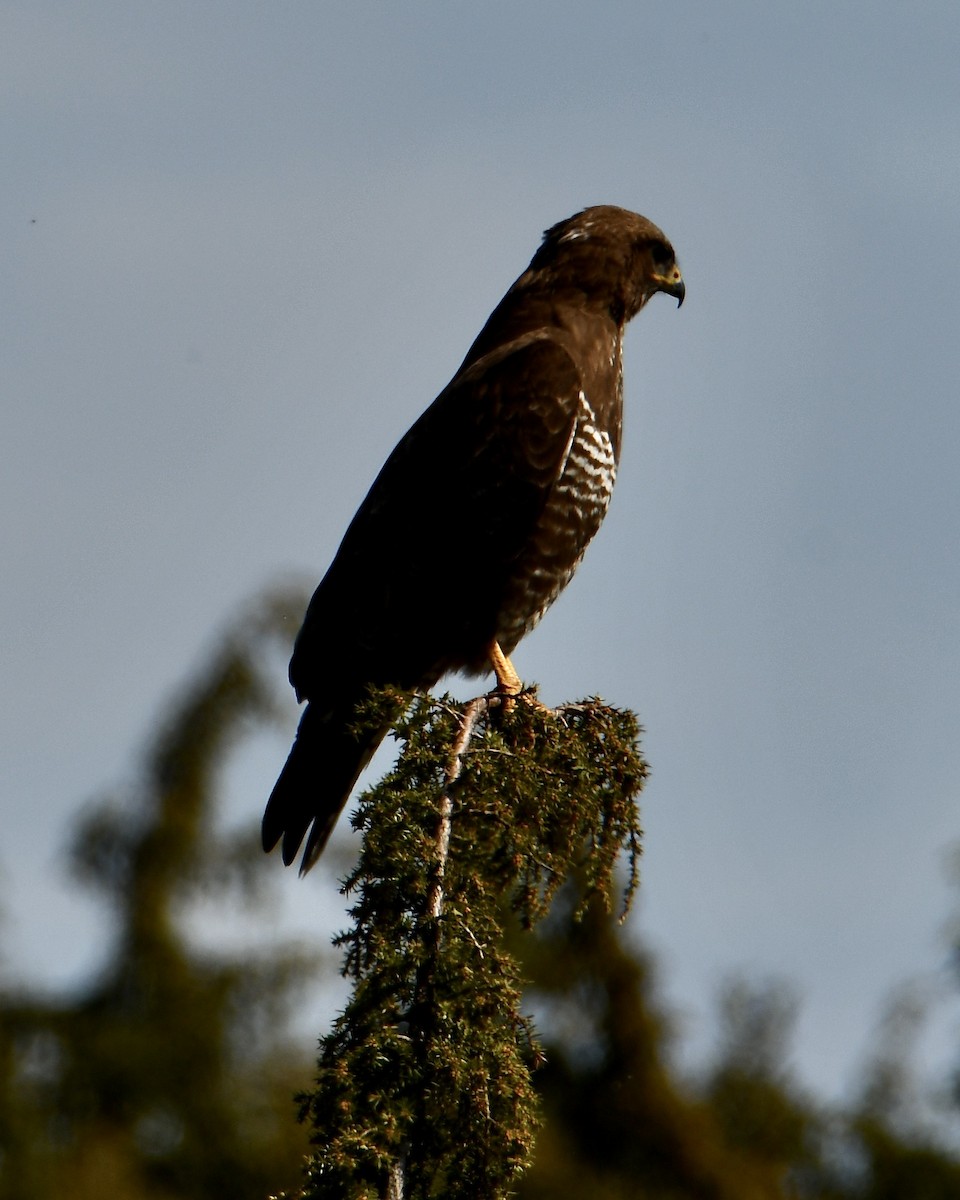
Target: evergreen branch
{"type": "Point", "coordinates": [442, 841]}
{"type": "Point", "coordinates": [424, 1084]}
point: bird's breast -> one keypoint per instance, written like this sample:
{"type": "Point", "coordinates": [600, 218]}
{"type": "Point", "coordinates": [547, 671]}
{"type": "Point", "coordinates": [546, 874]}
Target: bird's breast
{"type": "Point", "coordinates": [573, 512]}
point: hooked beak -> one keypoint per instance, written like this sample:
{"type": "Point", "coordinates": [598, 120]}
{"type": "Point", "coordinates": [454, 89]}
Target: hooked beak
{"type": "Point", "coordinates": [672, 284]}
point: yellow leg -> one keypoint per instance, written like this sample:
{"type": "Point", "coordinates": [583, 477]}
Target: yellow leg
{"type": "Point", "coordinates": [508, 681]}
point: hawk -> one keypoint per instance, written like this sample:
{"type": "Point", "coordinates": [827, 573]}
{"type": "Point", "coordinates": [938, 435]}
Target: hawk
{"type": "Point", "coordinates": [481, 514]}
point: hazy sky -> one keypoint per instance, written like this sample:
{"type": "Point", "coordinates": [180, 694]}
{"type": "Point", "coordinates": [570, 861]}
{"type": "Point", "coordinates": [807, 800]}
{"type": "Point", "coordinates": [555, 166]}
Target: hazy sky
{"type": "Point", "coordinates": [245, 244]}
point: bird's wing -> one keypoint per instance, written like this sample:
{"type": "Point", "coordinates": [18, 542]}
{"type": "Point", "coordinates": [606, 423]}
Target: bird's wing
{"type": "Point", "coordinates": [452, 509]}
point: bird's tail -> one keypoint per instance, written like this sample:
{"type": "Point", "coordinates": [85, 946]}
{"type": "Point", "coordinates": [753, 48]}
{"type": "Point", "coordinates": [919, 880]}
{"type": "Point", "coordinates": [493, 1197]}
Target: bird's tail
{"type": "Point", "coordinates": [317, 779]}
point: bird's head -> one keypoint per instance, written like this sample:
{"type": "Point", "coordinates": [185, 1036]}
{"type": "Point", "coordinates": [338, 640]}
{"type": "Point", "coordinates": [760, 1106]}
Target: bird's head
{"type": "Point", "coordinates": [611, 258]}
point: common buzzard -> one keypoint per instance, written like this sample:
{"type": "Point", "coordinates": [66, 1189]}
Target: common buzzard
{"type": "Point", "coordinates": [481, 514]}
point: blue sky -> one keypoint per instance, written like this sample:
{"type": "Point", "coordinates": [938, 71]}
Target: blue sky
{"type": "Point", "coordinates": [244, 245]}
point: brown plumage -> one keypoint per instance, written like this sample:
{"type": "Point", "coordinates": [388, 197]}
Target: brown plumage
{"type": "Point", "coordinates": [481, 514]}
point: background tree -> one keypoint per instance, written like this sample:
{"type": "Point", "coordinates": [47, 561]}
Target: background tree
{"type": "Point", "coordinates": [169, 1075]}
{"type": "Point", "coordinates": [619, 1122]}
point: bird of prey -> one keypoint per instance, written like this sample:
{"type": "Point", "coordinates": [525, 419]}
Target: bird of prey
{"type": "Point", "coordinates": [481, 514]}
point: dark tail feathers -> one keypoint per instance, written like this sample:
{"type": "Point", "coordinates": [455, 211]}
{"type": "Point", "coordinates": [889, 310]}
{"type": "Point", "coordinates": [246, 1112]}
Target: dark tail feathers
{"type": "Point", "coordinates": [316, 781]}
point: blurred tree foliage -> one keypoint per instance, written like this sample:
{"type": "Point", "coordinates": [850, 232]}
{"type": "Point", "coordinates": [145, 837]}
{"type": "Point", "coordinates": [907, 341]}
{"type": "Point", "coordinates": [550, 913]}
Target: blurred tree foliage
{"type": "Point", "coordinates": [170, 1075]}
{"type": "Point", "coordinates": [623, 1123]}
